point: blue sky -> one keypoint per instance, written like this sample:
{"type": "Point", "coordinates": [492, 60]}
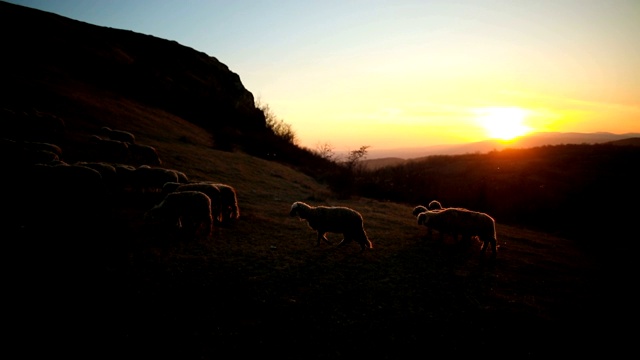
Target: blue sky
{"type": "Point", "coordinates": [391, 74]}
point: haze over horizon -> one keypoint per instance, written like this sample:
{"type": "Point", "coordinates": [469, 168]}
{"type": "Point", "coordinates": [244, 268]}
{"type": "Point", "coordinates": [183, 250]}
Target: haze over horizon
{"type": "Point", "coordinates": [409, 73]}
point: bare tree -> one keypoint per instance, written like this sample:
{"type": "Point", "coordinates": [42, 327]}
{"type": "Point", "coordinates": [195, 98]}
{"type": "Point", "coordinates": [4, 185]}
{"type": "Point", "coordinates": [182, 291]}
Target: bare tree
{"type": "Point", "coordinates": [353, 161]}
{"type": "Point", "coordinates": [281, 129]}
{"type": "Point", "coordinates": [325, 151]}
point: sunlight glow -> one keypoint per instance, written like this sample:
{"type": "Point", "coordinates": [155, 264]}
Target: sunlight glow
{"type": "Point", "coordinates": [503, 123]}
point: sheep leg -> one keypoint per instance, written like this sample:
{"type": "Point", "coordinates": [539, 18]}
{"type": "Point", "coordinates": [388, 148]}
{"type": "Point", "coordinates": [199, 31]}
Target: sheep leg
{"type": "Point", "coordinates": [322, 236]}
{"type": "Point", "coordinates": [486, 243]}
{"type": "Point", "coordinates": [344, 241]}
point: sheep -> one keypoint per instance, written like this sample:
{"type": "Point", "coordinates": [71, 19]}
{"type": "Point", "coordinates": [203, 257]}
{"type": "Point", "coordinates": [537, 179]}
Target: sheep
{"type": "Point", "coordinates": [144, 154]}
{"type": "Point", "coordinates": [152, 179]}
{"type": "Point", "coordinates": [118, 135]}
{"type": "Point", "coordinates": [109, 150]}
{"type": "Point", "coordinates": [433, 205]}
{"type": "Point", "coordinates": [189, 211]}
{"type": "Point", "coordinates": [228, 203]}
{"type": "Point", "coordinates": [334, 219]}
{"type": "Point", "coordinates": [230, 210]}
{"type": "Point", "coordinates": [67, 196]}
{"type": "Point", "coordinates": [211, 190]}
{"type": "Point", "coordinates": [463, 221]}
{"type": "Point", "coordinates": [107, 171]}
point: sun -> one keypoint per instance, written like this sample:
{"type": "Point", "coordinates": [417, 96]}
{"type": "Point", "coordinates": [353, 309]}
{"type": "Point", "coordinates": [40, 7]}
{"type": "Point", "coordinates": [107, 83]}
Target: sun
{"type": "Point", "coordinates": [504, 123]}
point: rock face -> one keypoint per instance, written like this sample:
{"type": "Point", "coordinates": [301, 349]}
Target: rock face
{"type": "Point", "coordinates": [44, 51]}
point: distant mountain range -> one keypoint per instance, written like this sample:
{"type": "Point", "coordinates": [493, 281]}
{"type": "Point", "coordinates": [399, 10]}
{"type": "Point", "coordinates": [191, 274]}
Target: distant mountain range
{"type": "Point", "coordinates": [384, 157]}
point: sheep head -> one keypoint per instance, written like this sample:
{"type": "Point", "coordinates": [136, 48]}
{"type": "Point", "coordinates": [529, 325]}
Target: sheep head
{"type": "Point", "coordinates": [423, 217]}
{"type": "Point", "coordinates": [434, 205]}
{"type": "Point", "coordinates": [294, 209]}
{"type": "Point", "coordinates": [300, 210]}
{"type": "Point", "coordinates": [418, 209]}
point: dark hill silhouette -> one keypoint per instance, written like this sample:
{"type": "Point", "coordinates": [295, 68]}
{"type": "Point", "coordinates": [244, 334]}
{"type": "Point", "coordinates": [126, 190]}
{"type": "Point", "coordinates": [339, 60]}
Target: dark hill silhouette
{"type": "Point", "coordinates": [47, 56]}
{"type": "Point", "coordinates": [634, 141]}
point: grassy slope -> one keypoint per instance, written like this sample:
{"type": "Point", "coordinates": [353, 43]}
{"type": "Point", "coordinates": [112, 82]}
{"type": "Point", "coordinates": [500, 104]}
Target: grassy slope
{"type": "Point", "coordinates": [262, 287]}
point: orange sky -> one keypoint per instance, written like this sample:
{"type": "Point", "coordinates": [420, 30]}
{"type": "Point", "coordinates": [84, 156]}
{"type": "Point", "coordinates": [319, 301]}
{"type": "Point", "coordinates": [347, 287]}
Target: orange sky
{"type": "Point", "coordinates": [389, 74]}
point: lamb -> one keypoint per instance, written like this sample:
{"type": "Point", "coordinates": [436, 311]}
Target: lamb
{"type": "Point", "coordinates": [189, 211]}
{"type": "Point", "coordinates": [334, 219]}
{"type": "Point", "coordinates": [466, 222]}
{"type": "Point", "coordinates": [118, 135]}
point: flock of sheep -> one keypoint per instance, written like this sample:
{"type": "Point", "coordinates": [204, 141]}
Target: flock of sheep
{"type": "Point", "coordinates": [116, 166]}
{"type": "Point", "coordinates": [119, 165]}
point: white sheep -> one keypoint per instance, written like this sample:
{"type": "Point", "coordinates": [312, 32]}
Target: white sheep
{"type": "Point", "coordinates": [189, 211]}
{"type": "Point", "coordinates": [335, 219]}
{"type": "Point", "coordinates": [462, 221]}
{"type": "Point", "coordinates": [119, 135]}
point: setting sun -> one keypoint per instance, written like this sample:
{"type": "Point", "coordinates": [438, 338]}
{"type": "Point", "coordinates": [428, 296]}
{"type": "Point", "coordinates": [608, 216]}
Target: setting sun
{"type": "Point", "coordinates": [503, 123]}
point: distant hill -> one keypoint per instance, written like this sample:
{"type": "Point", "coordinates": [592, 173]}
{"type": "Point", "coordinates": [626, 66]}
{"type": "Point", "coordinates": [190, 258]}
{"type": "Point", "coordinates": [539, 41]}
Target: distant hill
{"type": "Point", "coordinates": [384, 157]}
{"type": "Point", "coordinates": [635, 141]}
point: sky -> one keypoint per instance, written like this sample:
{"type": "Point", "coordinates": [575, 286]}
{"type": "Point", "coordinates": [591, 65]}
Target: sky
{"type": "Point", "coordinates": [400, 74]}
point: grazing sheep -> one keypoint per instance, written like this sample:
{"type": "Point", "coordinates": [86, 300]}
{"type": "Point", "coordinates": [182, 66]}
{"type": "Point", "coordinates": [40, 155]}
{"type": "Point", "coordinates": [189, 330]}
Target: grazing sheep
{"type": "Point", "coordinates": [144, 154]}
{"type": "Point", "coordinates": [152, 179]}
{"type": "Point", "coordinates": [189, 211]}
{"type": "Point", "coordinates": [67, 196]}
{"type": "Point", "coordinates": [108, 150]}
{"type": "Point", "coordinates": [466, 222]}
{"type": "Point", "coordinates": [170, 187]}
{"type": "Point", "coordinates": [211, 190]}
{"type": "Point", "coordinates": [107, 171]}
{"type": "Point", "coordinates": [335, 219]}
{"type": "Point", "coordinates": [434, 205]}
{"type": "Point", "coordinates": [228, 202]}
{"type": "Point", "coordinates": [119, 135]}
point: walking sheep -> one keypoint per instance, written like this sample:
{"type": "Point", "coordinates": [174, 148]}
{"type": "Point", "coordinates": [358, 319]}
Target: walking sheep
{"type": "Point", "coordinates": [189, 211]}
{"type": "Point", "coordinates": [466, 222]}
{"type": "Point", "coordinates": [334, 219]}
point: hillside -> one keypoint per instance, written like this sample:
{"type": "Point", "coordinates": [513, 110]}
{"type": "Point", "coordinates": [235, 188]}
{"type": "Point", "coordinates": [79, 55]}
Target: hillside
{"type": "Point", "coordinates": [100, 281]}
